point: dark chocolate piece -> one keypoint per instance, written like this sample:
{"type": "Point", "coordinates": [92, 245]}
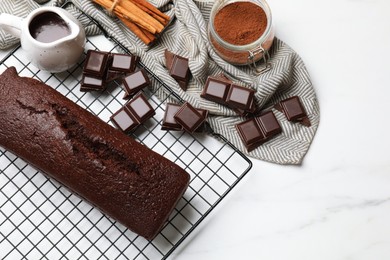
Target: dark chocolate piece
{"type": "Point", "coordinates": [140, 108]}
{"type": "Point", "coordinates": [169, 122]}
{"type": "Point", "coordinates": [250, 134]}
{"type": "Point", "coordinates": [240, 97]}
{"type": "Point", "coordinates": [221, 90]}
{"type": "Point", "coordinates": [180, 71]}
{"type": "Point", "coordinates": [107, 67]}
{"type": "Point", "coordinates": [124, 120]}
{"type": "Point", "coordinates": [269, 124]}
{"type": "Point", "coordinates": [96, 63]}
{"type": "Point", "coordinates": [133, 113]}
{"type": "Point", "coordinates": [293, 110]}
{"type": "Point", "coordinates": [123, 62]}
{"type": "Point", "coordinates": [216, 90]}
{"type": "Point", "coordinates": [189, 118]}
{"type": "Point", "coordinates": [135, 82]}
{"type": "Point", "coordinates": [91, 83]}
{"type": "Point", "coordinates": [178, 68]}
{"type": "Point", "coordinates": [256, 131]}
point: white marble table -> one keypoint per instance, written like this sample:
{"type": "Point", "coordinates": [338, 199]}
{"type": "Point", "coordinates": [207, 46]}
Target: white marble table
{"type": "Point", "coordinates": [336, 205]}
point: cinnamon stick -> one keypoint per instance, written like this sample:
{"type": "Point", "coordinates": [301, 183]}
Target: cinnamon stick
{"type": "Point", "coordinates": [152, 8]}
{"type": "Point", "coordinates": [128, 14]}
{"type": "Point", "coordinates": [129, 7]}
{"type": "Point", "coordinates": [140, 16]}
{"type": "Point", "coordinates": [152, 14]}
{"type": "Point", "coordinates": [146, 38]}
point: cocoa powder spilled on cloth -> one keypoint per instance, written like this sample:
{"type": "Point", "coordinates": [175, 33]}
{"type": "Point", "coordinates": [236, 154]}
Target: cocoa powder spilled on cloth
{"type": "Point", "coordinates": [240, 23]}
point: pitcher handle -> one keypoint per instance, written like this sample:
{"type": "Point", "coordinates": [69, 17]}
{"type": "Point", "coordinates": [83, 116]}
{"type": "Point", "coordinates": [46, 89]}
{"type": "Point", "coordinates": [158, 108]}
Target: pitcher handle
{"type": "Point", "coordinates": [11, 24]}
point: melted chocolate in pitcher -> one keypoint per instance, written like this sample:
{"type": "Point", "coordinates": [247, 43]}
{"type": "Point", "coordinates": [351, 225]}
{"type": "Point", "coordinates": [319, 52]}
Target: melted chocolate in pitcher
{"type": "Point", "coordinates": [48, 27]}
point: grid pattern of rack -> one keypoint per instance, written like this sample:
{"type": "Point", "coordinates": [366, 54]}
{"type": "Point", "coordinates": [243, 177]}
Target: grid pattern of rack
{"type": "Point", "coordinates": [40, 219]}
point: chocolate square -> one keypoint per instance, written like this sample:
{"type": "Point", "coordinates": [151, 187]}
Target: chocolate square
{"type": "Point", "coordinates": [124, 120]}
{"type": "Point", "coordinates": [96, 63]}
{"type": "Point", "coordinates": [189, 118]}
{"type": "Point", "coordinates": [293, 110]}
{"type": "Point", "coordinates": [256, 131]}
{"type": "Point", "coordinates": [135, 82]}
{"type": "Point", "coordinates": [140, 108]}
{"type": "Point", "coordinates": [250, 134]}
{"type": "Point", "coordinates": [215, 90]}
{"type": "Point", "coordinates": [178, 68]}
{"type": "Point", "coordinates": [123, 62]}
{"type": "Point", "coordinates": [91, 83]}
{"type": "Point", "coordinates": [169, 121]}
{"type": "Point", "coordinates": [269, 124]}
{"type": "Point", "coordinates": [180, 71]}
{"type": "Point", "coordinates": [240, 97]}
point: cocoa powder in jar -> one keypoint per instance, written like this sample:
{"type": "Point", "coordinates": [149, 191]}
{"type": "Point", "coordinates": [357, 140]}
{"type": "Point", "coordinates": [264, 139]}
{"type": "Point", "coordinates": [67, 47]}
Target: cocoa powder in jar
{"type": "Point", "coordinates": [240, 23]}
{"type": "Point", "coordinates": [239, 27]}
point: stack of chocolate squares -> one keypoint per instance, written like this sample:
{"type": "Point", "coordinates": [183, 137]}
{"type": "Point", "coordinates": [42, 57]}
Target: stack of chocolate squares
{"type": "Point", "coordinates": [221, 90]}
{"type": "Point", "coordinates": [184, 117]}
{"type": "Point", "coordinates": [102, 67]}
{"type": "Point", "coordinates": [178, 68]}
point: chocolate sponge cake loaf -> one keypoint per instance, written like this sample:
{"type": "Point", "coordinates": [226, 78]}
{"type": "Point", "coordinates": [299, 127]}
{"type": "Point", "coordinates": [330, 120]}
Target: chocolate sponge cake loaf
{"type": "Point", "coordinates": [124, 179]}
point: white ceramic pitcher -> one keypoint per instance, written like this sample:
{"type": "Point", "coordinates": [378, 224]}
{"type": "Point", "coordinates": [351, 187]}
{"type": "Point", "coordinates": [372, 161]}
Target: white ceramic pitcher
{"type": "Point", "coordinates": [57, 54]}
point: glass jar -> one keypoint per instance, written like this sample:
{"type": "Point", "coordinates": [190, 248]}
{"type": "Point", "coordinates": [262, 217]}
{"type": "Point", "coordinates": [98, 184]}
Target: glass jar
{"type": "Point", "coordinates": [247, 54]}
